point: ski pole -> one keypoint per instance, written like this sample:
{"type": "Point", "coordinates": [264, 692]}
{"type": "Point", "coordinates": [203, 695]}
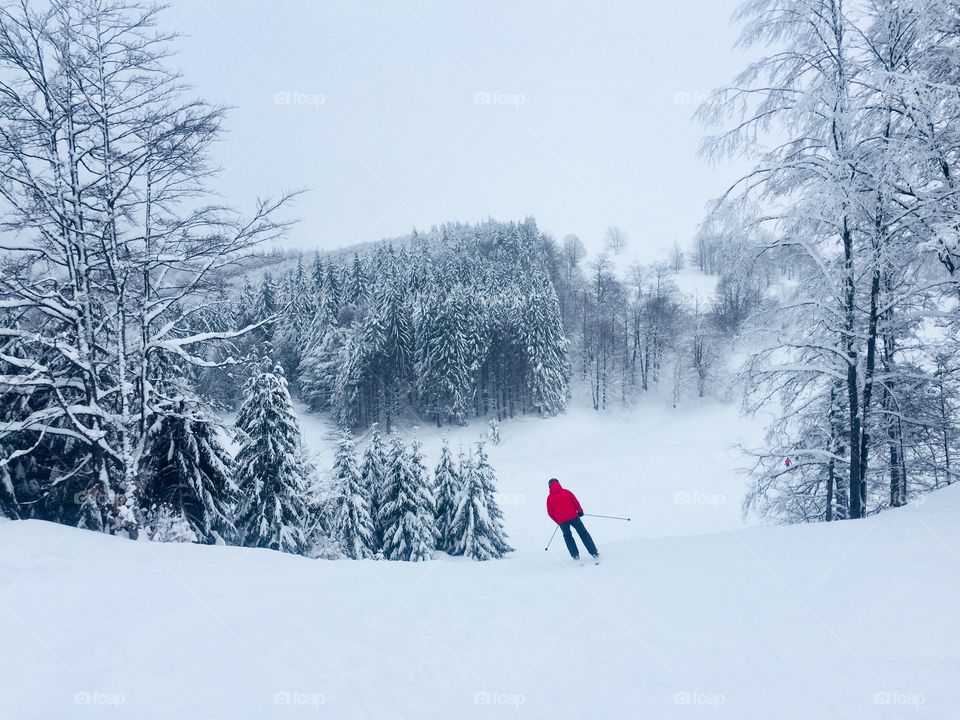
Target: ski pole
{"type": "Point", "coordinates": [608, 517]}
{"type": "Point", "coordinates": [552, 537]}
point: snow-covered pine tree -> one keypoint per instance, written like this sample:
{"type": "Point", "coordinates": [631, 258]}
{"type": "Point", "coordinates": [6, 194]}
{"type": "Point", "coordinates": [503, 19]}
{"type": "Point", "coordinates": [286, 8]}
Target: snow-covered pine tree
{"type": "Point", "coordinates": [373, 472]}
{"type": "Point", "coordinates": [321, 367]}
{"type": "Point", "coordinates": [407, 511]}
{"type": "Point", "coordinates": [395, 356]}
{"type": "Point", "coordinates": [245, 307]}
{"type": "Point", "coordinates": [424, 477]}
{"type": "Point", "coordinates": [378, 367]}
{"type": "Point", "coordinates": [297, 315]}
{"type": "Point", "coordinates": [494, 432]}
{"type": "Point", "coordinates": [166, 524]}
{"type": "Point", "coordinates": [318, 275]}
{"type": "Point", "coordinates": [545, 343]}
{"type": "Point", "coordinates": [476, 530]}
{"type": "Point", "coordinates": [489, 479]}
{"type": "Point", "coordinates": [267, 306]}
{"type": "Point", "coordinates": [267, 300]}
{"type": "Point", "coordinates": [189, 471]}
{"type": "Point", "coordinates": [271, 474]}
{"type": "Point", "coordinates": [91, 510]}
{"type": "Point", "coordinates": [333, 290]}
{"type": "Point", "coordinates": [357, 283]}
{"type": "Point", "coordinates": [443, 374]}
{"type": "Point", "coordinates": [352, 526]}
{"type": "Point", "coordinates": [9, 507]}
{"type": "Point", "coordinates": [447, 483]}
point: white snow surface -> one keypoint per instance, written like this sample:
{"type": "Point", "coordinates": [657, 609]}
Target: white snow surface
{"type": "Point", "coordinates": [691, 615]}
{"type": "Point", "coordinates": [672, 471]}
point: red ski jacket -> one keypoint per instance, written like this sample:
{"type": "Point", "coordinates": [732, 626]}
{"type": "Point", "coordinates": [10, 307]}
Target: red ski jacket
{"type": "Point", "coordinates": [562, 505]}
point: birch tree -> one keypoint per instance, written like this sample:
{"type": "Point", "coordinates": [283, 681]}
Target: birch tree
{"type": "Point", "coordinates": [110, 242]}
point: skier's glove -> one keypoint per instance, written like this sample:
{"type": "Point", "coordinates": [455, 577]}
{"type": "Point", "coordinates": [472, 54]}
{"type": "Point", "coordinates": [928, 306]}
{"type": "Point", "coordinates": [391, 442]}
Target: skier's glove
{"type": "Point", "coordinates": [579, 513]}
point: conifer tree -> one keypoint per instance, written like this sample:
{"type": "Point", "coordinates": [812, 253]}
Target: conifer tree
{"type": "Point", "coordinates": [9, 507]}
{"type": "Point", "coordinates": [267, 301]}
{"type": "Point", "coordinates": [91, 510]}
{"type": "Point", "coordinates": [189, 471]}
{"type": "Point", "coordinates": [320, 368]}
{"type": "Point", "coordinates": [246, 306]}
{"type": "Point", "coordinates": [291, 332]}
{"type": "Point", "coordinates": [477, 527]}
{"type": "Point", "coordinates": [166, 524]}
{"type": "Point", "coordinates": [352, 525]}
{"type": "Point", "coordinates": [447, 482]}
{"type": "Point", "coordinates": [333, 291]}
{"type": "Point", "coordinates": [373, 472]}
{"type": "Point", "coordinates": [407, 512]}
{"type": "Point", "coordinates": [317, 274]}
{"type": "Point", "coordinates": [266, 307]}
{"type": "Point", "coordinates": [443, 372]}
{"type": "Point", "coordinates": [271, 474]}
{"type": "Point", "coordinates": [357, 283]}
{"type": "Point", "coordinates": [424, 477]}
{"type": "Point", "coordinates": [545, 343]}
{"type": "Point", "coordinates": [394, 356]}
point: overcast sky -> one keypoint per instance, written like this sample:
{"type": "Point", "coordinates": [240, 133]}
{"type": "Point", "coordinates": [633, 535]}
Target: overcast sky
{"type": "Point", "coordinates": [400, 113]}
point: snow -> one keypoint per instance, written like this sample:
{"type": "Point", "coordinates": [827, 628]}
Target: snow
{"type": "Point", "coordinates": [851, 620]}
{"type": "Point", "coordinates": [695, 285]}
{"type": "Point", "coordinates": [673, 471]}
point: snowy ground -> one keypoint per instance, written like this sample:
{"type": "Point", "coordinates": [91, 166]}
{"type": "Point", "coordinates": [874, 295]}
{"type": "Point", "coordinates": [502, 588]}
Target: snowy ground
{"type": "Point", "coordinates": [673, 471]}
{"type": "Point", "coordinates": [686, 618]}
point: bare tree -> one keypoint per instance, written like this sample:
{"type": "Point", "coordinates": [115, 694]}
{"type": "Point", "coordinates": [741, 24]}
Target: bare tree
{"type": "Point", "coordinates": [677, 257]}
{"type": "Point", "coordinates": [111, 243]}
{"type": "Point", "coordinates": [616, 239]}
{"type": "Point", "coordinates": [839, 182]}
{"type": "Point", "coordinates": [572, 252]}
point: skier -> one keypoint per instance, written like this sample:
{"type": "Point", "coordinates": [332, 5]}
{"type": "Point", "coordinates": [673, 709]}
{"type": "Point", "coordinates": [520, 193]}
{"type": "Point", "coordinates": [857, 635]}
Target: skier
{"type": "Point", "coordinates": [564, 509]}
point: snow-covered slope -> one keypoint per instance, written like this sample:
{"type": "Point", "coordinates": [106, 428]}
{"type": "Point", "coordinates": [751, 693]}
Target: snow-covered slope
{"type": "Point", "coordinates": [673, 471]}
{"type": "Point", "coordinates": [849, 620]}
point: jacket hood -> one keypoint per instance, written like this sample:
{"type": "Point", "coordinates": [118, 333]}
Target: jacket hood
{"type": "Point", "coordinates": [555, 487]}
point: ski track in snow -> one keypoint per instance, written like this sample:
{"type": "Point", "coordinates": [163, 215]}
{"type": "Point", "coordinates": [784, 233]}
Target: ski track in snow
{"type": "Point", "coordinates": [690, 615]}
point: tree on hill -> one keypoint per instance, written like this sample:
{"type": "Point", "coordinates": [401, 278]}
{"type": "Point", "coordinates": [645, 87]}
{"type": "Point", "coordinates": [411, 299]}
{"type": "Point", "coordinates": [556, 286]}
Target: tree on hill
{"type": "Point", "coordinates": [271, 473]}
{"type": "Point", "coordinates": [616, 239]}
{"type": "Point", "coordinates": [447, 482]}
{"type": "Point", "coordinates": [373, 472]}
{"type": "Point", "coordinates": [188, 470]}
{"type": "Point", "coordinates": [352, 524]}
{"type": "Point", "coordinates": [443, 371]}
{"type": "Point", "coordinates": [476, 530]}
{"type": "Point", "coordinates": [407, 512]}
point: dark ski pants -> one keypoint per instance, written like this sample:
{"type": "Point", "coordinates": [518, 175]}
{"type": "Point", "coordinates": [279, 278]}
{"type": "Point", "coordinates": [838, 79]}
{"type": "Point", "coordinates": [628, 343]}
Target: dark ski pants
{"type": "Point", "coordinates": [585, 538]}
